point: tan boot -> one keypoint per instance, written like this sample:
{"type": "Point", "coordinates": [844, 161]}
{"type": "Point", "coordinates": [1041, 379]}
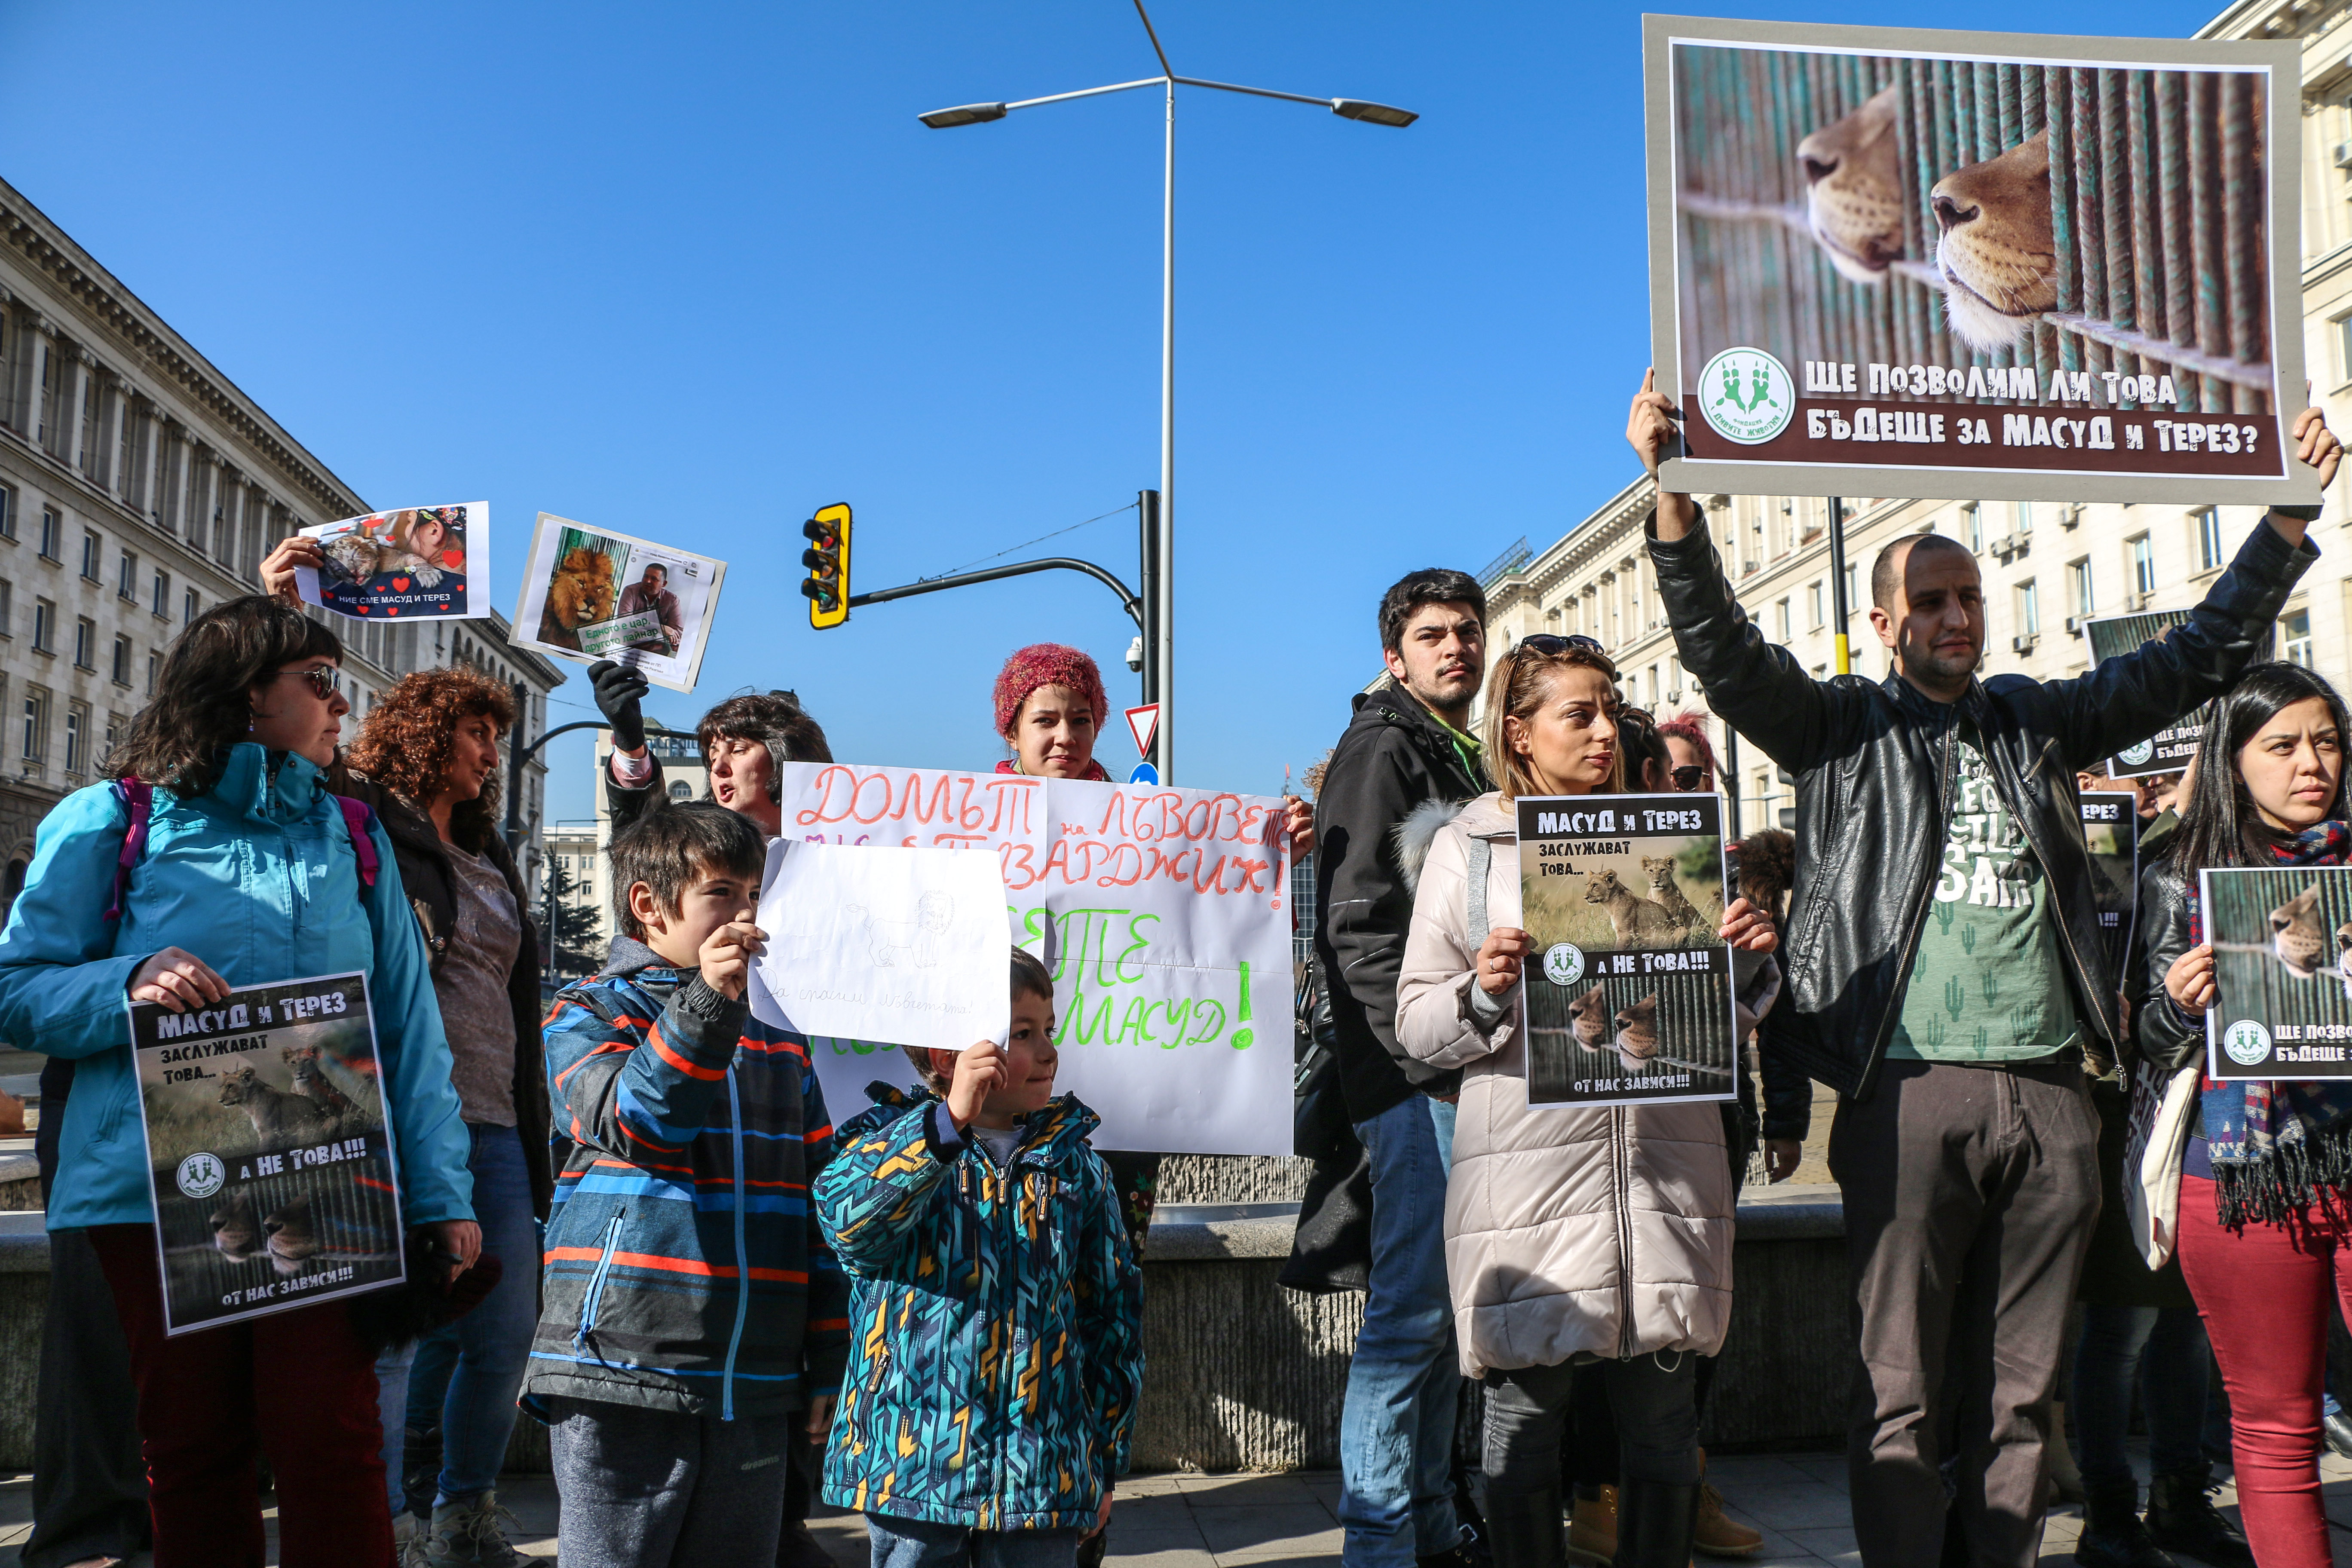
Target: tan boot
{"type": "Point", "coordinates": [1714, 1535]}
{"type": "Point", "coordinates": [2065, 1478]}
{"type": "Point", "coordinates": [1592, 1528]}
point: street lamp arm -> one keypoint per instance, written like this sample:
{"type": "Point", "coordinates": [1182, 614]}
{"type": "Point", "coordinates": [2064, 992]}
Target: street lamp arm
{"type": "Point", "coordinates": [1254, 91]}
{"type": "Point", "coordinates": [519, 756]}
{"type": "Point", "coordinates": [1086, 92]}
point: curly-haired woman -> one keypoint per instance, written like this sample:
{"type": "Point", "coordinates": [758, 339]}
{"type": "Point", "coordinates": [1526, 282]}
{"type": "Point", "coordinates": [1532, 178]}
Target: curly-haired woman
{"type": "Point", "coordinates": [250, 873]}
{"type": "Point", "coordinates": [427, 760]}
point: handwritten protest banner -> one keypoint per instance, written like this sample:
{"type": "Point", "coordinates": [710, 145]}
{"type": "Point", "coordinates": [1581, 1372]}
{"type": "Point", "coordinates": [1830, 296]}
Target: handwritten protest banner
{"type": "Point", "coordinates": [1164, 915]}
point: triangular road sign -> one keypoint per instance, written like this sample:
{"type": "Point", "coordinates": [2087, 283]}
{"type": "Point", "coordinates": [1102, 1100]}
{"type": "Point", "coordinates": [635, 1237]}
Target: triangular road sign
{"type": "Point", "coordinates": [1143, 723]}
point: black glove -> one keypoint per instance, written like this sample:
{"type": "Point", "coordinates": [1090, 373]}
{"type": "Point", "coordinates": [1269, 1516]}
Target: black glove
{"type": "Point", "coordinates": [618, 689]}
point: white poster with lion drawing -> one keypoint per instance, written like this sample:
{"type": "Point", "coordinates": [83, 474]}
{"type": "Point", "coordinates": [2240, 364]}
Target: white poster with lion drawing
{"type": "Point", "coordinates": [590, 594]}
{"type": "Point", "coordinates": [886, 943]}
{"type": "Point", "coordinates": [1898, 262]}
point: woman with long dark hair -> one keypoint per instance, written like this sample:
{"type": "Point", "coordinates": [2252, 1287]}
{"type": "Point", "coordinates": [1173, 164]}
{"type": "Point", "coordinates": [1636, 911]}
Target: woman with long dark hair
{"type": "Point", "coordinates": [250, 873]}
{"type": "Point", "coordinates": [2264, 1196]}
{"type": "Point", "coordinates": [427, 762]}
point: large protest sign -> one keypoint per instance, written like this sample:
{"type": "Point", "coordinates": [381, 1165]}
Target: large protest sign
{"type": "Point", "coordinates": [1909, 263]}
{"type": "Point", "coordinates": [2282, 981]}
{"type": "Point", "coordinates": [590, 594]}
{"type": "Point", "coordinates": [1628, 999]}
{"type": "Point", "coordinates": [418, 564]}
{"type": "Point", "coordinates": [1164, 915]}
{"type": "Point", "coordinates": [878, 942]}
{"type": "Point", "coordinates": [271, 1147]}
{"type": "Point", "coordinates": [2169, 748]}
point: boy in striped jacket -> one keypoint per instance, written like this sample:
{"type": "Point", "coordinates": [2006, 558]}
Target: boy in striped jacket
{"type": "Point", "coordinates": [693, 1313]}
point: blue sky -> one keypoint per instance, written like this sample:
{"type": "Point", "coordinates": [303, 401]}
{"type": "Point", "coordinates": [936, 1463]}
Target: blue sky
{"type": "Point", "coordinates": [691, 272]}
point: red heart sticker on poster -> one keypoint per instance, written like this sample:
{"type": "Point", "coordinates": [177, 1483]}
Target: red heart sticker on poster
{"type": "Point", "coordinates": [400, 585]}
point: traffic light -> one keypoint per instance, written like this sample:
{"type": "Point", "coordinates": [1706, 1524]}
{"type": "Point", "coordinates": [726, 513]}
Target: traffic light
{"type": "Point", "coordinates": [827, 560]}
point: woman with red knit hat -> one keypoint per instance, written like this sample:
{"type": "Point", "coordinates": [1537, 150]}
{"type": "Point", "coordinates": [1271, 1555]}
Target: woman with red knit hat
{"type": "Point", "coordinates": [1050, 705]}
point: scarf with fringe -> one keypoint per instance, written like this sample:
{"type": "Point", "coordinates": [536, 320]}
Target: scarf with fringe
{"type": "Point", "coordinates": [2281, 1147]}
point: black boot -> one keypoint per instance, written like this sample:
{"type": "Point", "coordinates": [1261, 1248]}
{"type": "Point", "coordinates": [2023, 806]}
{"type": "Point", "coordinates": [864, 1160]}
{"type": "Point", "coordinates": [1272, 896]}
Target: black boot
{"type": "Point", "coordinates": [2181, 1518]}
{"type": "Point", "coordinates": [1524, 1529]}
{"type": "Point", "coordinates": [2113, 1536]}
{"type": "Point", "coordinates": [1655, 1521]}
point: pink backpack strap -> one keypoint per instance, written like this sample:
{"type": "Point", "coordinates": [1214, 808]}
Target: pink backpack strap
{"type": "Point", "coordinates": [358, 820]}
{"type": "Point", "coordinates": [138, 797]}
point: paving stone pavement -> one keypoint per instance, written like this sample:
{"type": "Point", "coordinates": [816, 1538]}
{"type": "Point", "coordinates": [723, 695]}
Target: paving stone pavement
{"type": "Point", "coordinates": [1798, 1500]}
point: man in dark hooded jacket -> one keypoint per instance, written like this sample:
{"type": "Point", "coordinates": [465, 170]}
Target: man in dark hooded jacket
{"type": "Point", "coordinates": [1405, 749]}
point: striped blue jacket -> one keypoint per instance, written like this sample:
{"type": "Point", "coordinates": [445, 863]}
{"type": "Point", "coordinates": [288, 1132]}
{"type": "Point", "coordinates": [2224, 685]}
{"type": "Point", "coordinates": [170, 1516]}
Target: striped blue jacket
{"type": "Point", "coordinates": [684, 1269]}
{"type": "Point", "coordinates": [998, 1317]}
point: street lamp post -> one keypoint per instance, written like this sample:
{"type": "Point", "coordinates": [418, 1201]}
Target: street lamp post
{"type": "Point", "coordinates": [1160, 654]}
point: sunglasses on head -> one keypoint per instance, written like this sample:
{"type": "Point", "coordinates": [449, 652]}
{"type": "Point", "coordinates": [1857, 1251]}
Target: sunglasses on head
{"type": "Point", "coordinates": [1552, 643]}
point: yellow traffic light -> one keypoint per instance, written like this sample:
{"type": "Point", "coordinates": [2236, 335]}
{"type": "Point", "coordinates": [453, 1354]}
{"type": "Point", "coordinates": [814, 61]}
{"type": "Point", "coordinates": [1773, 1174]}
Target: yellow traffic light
{"type": "Point", "coordinates": [827, 560]}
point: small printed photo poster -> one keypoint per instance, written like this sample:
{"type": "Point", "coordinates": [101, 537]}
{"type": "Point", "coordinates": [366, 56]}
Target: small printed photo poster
{"type": "Point", "coordinates": [418, 564]}
{"type": "Point", "coordinates": [2282, 979]}
{"type": "Point", "coordinates": [2168, 750]}
{"type": "Point", "coordinates": [590, 594]}
{"type": "Point", "coordinates": [1628, 994]}
{"type": "Point", "coordinates": [2111, 835]}
{"type": "Point", "coordinates": [270, 1148]}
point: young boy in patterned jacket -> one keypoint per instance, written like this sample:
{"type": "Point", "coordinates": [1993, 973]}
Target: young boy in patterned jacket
{"type": "Point", "coordinates": [692, 1312]}
{"type": "Point", "coordinates": [992, 1387]}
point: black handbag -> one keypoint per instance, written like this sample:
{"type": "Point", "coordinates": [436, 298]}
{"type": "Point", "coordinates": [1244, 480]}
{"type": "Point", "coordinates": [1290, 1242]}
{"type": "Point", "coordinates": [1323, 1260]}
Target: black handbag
{"type": "Point", "coordinates": [1332, 1247]}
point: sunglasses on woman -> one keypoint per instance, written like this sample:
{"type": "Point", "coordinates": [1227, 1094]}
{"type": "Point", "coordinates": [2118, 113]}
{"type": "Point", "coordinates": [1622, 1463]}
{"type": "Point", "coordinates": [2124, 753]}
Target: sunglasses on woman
{"type": "Point", "coordinates": [324, 678]}
{"type": "Point", "coordinates": [1552, 643]}
{"type": "Point", "coordinates": [1688, 778]}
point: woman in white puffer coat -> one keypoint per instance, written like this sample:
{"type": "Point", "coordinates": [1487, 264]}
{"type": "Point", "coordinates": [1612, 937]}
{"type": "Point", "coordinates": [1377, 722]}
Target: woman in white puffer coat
{"type": "Point", "coordinates": [1592, 1240]}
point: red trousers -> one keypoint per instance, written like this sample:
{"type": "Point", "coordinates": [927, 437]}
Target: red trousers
{"type": "Point", "coordinates": [2264, 1293]}
{"type": "Point", "coordinates": [297, 1385]}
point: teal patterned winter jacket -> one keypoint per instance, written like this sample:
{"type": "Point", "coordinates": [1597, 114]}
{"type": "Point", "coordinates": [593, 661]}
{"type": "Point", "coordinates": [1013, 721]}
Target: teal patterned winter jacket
{"type": "Point", "coordinates": [996, 1347]}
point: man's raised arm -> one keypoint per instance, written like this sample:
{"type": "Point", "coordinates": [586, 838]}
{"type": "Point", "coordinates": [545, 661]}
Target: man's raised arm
{"type": "Point", "coordinates": [1757, 687]}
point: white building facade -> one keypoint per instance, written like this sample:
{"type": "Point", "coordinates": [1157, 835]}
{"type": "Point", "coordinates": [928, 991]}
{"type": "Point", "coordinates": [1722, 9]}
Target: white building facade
{"type": "Point", "coordinates": [139, 486]}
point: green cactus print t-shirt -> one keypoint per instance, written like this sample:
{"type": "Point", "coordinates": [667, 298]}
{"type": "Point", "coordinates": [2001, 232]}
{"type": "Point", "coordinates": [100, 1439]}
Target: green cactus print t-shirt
{"type": "Point", "coordinates": [1989, 982]}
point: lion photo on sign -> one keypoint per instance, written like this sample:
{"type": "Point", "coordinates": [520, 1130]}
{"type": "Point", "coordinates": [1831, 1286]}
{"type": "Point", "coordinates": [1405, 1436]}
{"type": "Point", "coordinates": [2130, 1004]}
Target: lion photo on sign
{"type": "Point", "coordinates": [580, 595]}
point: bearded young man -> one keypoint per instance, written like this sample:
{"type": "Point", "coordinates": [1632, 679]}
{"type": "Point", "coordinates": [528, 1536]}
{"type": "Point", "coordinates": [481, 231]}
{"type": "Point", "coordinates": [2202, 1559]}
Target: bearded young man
{"type": "Point", "coordinates": [1406, 747]}
{"type": "Point", "coordinates": [1941, 957]}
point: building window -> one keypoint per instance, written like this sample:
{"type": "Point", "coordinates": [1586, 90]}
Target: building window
{"type": "Point", "coordinates": [7, 603]}
{"type": "Point", "coordinates": [2025, 517]}
{"type": "Point", "coordinates": [2143, 566]}
{"type": "Point", "coordinates": [154, 667]}
{"type": "Point", "coordinates": [2078, 586]}
{"type": "Point", "coordinates": [1972, 528]}
{"type": "Point", "coordinates": [2294, 638]}
{"type": "Point", "coordinates": [1815, 596]}
{"type": "Point", "coordinates": [93, 551]}
{"type": "Point", "coordinates": [76, 729]}
{"type": "Point", "coordinates": [2029, 610]}
{"type": "Point", "coordinates": [85, 643]}
{"type": "Point", "coordinates": [121, 661]}
{"type": "Point", "coordinates": [189, 606]}
{"type": "Point", "coordinates": [36, 726]}
{"type": "Point", "coordinates": [164, 595]}
{"type": "Point", "coordinates": [45, 626]}
{"type": "Point", "coordinates": [1851, 596]}
{"type": "Point", "coordinates": [2344, 344]}
{"type": "Point", "coordinates": [126, 581]}
{"type": "Point", "coordinates": [7, 514]}
{"type": "Point", "coordinates": [53, 528]}
{"type": "Point", "coordinates": [1780, 615]}
{"type": "Point", "coordinates": [2209, 539]}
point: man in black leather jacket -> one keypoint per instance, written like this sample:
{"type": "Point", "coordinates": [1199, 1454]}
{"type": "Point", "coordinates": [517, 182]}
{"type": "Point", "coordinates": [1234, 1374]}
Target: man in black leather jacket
{"type": "Point", "coordinates": [1939, 842]}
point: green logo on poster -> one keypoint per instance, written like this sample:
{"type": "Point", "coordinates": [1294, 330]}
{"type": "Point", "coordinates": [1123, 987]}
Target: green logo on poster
{"type": "Point", "coordinates": [2134, 756]}
{"type": "Point", "coordinates": [1563, 964]}
{"type": "Point", "coordinates": [2248, 1042]}
{"type": "Point", "coordinates": [201, 1175]}
{"type": "Point", "coordinates": [1748, 396]}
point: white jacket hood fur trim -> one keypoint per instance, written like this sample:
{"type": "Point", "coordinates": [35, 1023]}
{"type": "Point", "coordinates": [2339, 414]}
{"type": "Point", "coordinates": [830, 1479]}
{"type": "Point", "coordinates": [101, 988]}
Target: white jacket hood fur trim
{"type": "Point", "coordinates": [1417, 832]}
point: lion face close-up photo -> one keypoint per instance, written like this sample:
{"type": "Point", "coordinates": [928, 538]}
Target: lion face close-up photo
{"type": "Point", "coordinates": [1854, 200]}
{"type": "Point", "coordinates": [1996, 250]}
{"type": "Point", "coordinates": [582, 595]}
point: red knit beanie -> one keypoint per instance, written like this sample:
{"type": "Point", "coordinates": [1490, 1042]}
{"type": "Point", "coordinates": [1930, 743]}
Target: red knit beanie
{"type": "Point", "coordinates": [1047, 664]}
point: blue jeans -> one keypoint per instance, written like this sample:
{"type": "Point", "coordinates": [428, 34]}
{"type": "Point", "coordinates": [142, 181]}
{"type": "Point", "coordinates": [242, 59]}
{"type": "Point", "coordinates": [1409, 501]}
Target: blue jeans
{"type": "Point", "coordinates": [1396, 1430]}
{"type": "Point", "coordinates": [2163, 1349]}
{"type": "Point", "coordinates": [901, 1543]}
{"type": "Point", "coordinates": [464, 1377]}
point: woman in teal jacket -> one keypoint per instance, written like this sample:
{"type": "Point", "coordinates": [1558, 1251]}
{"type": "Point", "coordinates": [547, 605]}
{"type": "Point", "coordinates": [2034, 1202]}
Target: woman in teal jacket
{"type": "Point", "coordinates": [250, 874]}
